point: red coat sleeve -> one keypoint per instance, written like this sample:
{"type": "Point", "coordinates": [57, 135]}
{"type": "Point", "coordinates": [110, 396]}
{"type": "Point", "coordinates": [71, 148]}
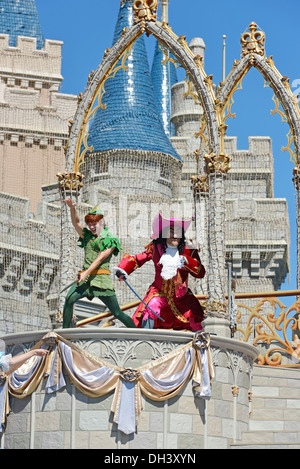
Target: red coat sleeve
{"type": "Point", "coordinates": [193, 264]}
{"type": "Point", "coordinates": [131, 263]}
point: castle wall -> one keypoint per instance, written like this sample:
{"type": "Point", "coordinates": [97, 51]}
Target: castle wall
{"type": "Point", "coordinates": [29, 264]}
{"type": "Point", "coordinates": [33, 115]}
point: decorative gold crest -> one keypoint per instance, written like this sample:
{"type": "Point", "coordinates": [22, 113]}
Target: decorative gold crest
{"type": "Point", "coordinates": [70, 181]}
{"type": "Point", "coordinates": [199, 184]}
{"type": "Point", "coordinates": [253, 41]}
{"type": "Point", "coordinates": [145, 10]}
{"type": "Point", "coordinates": [217, 163]}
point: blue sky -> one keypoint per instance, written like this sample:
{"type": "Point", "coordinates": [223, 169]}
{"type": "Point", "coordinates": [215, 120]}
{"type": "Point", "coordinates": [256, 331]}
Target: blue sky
{"type": "Point", "coordinates": [86, 29]}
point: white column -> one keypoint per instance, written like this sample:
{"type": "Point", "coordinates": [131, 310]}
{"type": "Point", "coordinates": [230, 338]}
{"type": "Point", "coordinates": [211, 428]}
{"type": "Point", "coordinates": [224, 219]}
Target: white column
{"type": "Point", "coordinates": [217, 320]}
{"type": "Point", "coordinates": [32, 421]}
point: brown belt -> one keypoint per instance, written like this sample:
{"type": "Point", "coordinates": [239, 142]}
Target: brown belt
{"type": "Point", "coordinates": [97, 271]}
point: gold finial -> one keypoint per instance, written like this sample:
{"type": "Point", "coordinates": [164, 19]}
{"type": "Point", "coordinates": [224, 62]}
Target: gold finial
{"type": "Point", "coordinates": [145, 10]}
{"type": "Point", "coordinates": [217, 163]}
{"type": "Point", "coordinates": [70, 181]}
{"type": "Point", "coordinates": [253, 41]}
{"type": "Point", "coordinates": [199, 184]}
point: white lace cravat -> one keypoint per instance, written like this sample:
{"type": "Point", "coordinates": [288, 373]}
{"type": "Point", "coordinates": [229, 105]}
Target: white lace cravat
{"type": "Point", "coordinates": [171, 261]}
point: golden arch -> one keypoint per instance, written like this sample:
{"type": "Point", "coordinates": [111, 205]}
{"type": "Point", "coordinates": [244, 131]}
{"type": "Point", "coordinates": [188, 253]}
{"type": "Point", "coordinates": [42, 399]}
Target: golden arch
{"type": "Point", "coordinates": [214, 106]}
{"type": "Point", "coordinates": [91, 98]}
{"type": "Point", "coordinates": [253, 56]}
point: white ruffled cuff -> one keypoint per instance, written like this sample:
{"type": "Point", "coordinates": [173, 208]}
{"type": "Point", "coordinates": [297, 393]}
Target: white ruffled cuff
{"type": "Point", "coordinates": [118, 271]}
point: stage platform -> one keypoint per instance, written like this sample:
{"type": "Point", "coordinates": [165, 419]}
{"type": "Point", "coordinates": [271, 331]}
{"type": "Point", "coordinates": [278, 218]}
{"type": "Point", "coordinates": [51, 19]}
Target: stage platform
{"type": "Point", "coordinates": [62, 412]}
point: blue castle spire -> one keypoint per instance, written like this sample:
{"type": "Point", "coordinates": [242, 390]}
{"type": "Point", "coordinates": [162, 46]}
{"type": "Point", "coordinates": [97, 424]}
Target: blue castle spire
{"type": "Point", "coordinates": [131, 119]}
{"type": "Point", "coordinates": [20, 18]}
{"type": "Point", "coordinates": [163, 78]}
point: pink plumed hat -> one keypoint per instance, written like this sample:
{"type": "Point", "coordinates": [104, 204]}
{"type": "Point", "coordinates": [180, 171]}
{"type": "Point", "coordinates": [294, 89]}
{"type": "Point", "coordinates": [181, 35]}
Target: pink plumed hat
{"type": "Point", "coordinates": [161, 225]}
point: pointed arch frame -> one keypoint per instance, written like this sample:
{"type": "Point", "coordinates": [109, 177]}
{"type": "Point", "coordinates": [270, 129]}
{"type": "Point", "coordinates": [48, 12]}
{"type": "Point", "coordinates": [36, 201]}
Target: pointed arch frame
{"type": "Point", "coordinates": [276, 81]}
{"type": "Point", "coordinates": [214, 106]}
{"type": "Point", "coordinates": [179, 48]}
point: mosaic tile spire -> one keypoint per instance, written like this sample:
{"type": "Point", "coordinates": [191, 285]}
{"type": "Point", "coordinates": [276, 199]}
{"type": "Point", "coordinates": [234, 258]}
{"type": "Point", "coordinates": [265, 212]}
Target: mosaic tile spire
{"type": "Point", "coordinates": [131, 119]}
{"type": "Point", "coordinates": [20, 18]}
{"type": "Point", "coordinates": [163, 78]}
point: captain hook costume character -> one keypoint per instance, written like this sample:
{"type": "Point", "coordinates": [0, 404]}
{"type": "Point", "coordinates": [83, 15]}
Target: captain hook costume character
{"type": "Point", "coordinates": [94, 280]}
{"type": "Point", "coordinates": [169, 297]}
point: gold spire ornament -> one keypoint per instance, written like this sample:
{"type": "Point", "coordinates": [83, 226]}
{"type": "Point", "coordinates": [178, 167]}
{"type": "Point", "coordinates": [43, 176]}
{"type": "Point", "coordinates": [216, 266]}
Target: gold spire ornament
{"type": "Point", "coordinates": [253, 41]}
{"type": "Point", "coordinates": [70, 181]}
{"type": "Point", "coordinates": [145, 10]}
{"type": "Point", "coordinates": [217, 163]}
{"type": "Point", "coordinates": [199, 184]}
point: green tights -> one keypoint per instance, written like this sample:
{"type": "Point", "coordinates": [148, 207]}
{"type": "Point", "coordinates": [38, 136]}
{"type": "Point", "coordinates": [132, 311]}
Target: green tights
{"type": "Point", "coordinates": [77, 292]}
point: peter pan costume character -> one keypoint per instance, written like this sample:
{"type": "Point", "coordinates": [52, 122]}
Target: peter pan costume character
{"type": "Point", "coordinates": [94, 280]}
{"type": "Point", "coordinates": [169, 295]}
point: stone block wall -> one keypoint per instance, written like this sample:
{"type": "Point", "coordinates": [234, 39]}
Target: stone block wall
{"type": "Point", "coordinates": [29, 263]}
{"type": "Point", "coordinates": [34, 116]}
{"type": "Point", "coordinates": [17, 58]}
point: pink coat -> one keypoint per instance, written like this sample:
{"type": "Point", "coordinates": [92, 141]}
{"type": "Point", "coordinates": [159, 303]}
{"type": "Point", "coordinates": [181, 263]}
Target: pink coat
{"type": "Point", "coordinates": [171, 299]}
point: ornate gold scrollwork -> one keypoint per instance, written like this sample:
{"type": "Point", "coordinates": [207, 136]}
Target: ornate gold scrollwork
{"type": "Point", "coordinates": [290, 139]}
{"type": "Point", "coordinates": [277, 110]}
{"type": "Point", "coordinates": [145, 10]}
{"type": "Point", "coordinates": [289, 136]}
{"type": "Point", "coordinates": [199, 184]}
{"type": "Point", "coordinates": [201, 133]}
{"type": "Point", "coordinates": [82, 146]}
{"type": "Point", "coordinates": [215, 306]}
{"type": "Point", "coordinates": [191, 90]}
{"type": "Point", "coordinates": [70, 181]}
{"type": "Point", "coordinates": [217, 163]}
{"type": "Point", "coordinates": [266, 326]}
{"type": "Point", "coordinates": [253, 41]}
{"type": "Point", "coordinates": [166, 53]}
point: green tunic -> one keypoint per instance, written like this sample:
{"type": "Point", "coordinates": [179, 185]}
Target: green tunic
{"type": "Point", "coordinates": [92, 247]}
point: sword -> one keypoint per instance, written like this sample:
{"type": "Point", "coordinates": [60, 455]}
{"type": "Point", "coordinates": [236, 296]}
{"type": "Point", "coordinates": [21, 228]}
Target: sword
{"type": "Point", "coordinates": [157, 315]}
{"type": "Point", "coordinates": [68, 286]}
{"type": "Point", "coordinates": [120, 275]}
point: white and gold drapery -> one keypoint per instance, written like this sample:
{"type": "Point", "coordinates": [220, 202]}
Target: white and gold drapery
{"type": "Point", "coordinates": [158, 380]}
